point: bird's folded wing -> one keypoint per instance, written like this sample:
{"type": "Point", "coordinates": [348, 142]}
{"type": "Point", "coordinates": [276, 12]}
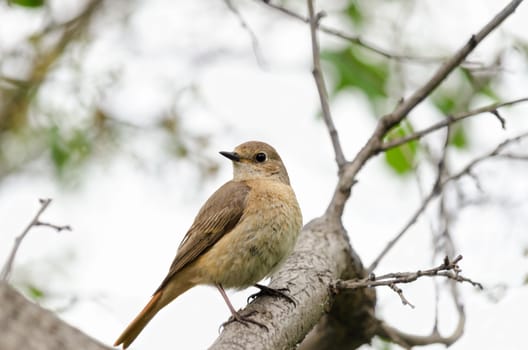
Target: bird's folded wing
{"type": "Point", "coordinates": [217, 217]}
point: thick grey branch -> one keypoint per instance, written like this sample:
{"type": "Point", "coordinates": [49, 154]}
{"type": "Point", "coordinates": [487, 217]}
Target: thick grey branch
{"type": "Point", "coordinates": [25, 325]}
{"type": "Point", "coordinates": [319, 258]}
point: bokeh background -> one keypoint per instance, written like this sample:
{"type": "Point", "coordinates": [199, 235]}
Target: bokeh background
{"type": "Point", "coordinates": [117, 111]}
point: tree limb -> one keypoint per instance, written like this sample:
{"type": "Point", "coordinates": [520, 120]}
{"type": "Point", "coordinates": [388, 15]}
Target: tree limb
{"type": "Point", "coordinates": [322, 255]}
{"type": "Point", "coordinates": [374, 144]}
{"type": "Point", "coordinates": [25, 325]}
{"type": "Point", "coordinates": [448, 269]}
{"type": "Point", "coordinates": [451, 120]}
{"type": "Point", "coordinates": [321, 88]}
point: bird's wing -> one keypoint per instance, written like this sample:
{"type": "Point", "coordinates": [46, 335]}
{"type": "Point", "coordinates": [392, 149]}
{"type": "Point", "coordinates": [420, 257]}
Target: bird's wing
{"type": "Point", "coordinates": [218, 216]}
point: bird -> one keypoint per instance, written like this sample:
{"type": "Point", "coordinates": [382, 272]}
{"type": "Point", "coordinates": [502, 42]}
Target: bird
{"type": "Point", "coordinates": [241, 235]}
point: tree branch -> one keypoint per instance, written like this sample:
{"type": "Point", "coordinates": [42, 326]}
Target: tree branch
{"type": "Point", "coordinates": [448, 269]}
{"type": "Point", "coordinates": [322, 255]}
{"type": "Point", "coordinates": [26, 325]}
{"type": "Point", "coordinates": [353, 39]}
{"type": "Point", "coordinates": [374, 144]}
{"type": "Point", "coordinates": [247, 28]}
{"type": "Point", "coordinates": [451, 120]}
{"type": "Point", "coordinates": [8, 266]}
{"type": "Point", "coordinates": [321, 88]}
{"type": "Point", "coordinates": [437, 188]}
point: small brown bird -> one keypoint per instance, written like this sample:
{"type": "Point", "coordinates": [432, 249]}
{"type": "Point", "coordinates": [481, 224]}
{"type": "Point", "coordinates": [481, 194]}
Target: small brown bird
{"type": "Point", "coordinates": [240, 235]}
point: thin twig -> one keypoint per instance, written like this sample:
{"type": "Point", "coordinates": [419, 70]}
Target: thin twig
{"type": "Point", "coordinates": [437, 188]}
{"type": "Point", "coordinates": [451, 120]}
{"type": "Point", "coordinates": [492, 154]}
{"type": "Point", "coordinates": [375, 142]}
{"type": "Point", "coordinates": [247, 28]}
{"type": "Point", "coordinates": [8, 266]}
{"type": "Point", "coordinates": [399, 291]}
{"type": "Point", "coordinates": [321, 88]}
{"type": "Point", "coordinates": [353, 39]}
{"type": "Point", "coordinates": [448, 269]}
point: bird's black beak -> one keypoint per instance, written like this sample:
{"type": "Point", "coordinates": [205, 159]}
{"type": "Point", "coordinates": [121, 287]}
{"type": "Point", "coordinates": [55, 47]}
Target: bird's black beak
{"type": "Point", "coordinates": [231, 155]}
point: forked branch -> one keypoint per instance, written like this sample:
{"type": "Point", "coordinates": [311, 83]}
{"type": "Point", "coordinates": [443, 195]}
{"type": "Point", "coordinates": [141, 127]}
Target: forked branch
{"type": "Point", "coordinates": [8, 266]}
{"type": "Point", "coordinates": [375, 143]}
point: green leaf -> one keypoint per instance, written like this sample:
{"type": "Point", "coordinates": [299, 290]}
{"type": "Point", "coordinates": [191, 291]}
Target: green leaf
{"type": "Point", "coordinates": [28, 3]}
{"type": "Point", "coordinates": [354, 13]}
{"type": "Point", "coordinates": [35, 293]}
{"type": "Point", "coordinates": [401, 159]}
{"type": "Point", "coordinates": [444, 102]}
{"type": "Point", "coordinates": [59, 149]}
{"type": "Point", "coordinates": [68, 152]}
{"type": "Point", "coordinates": [355, 71]}
{"type": "Point", "coordinates": [459, 137]}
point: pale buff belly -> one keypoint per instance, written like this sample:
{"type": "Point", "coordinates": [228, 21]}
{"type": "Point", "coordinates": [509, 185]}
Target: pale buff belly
{"type": "Point", "coordinates": [256, 247]}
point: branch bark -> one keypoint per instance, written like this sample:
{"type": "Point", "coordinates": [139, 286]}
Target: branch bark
{"type": "Point", "coordinates": [321, 256]}
{"type": "Point", "coordinates": [25, 325]}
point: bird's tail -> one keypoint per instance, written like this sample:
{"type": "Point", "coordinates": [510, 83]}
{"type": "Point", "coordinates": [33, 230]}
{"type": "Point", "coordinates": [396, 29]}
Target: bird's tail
{"type": "Point", "coordinates": [161, 298]}
{"type": "Point", "coordinates": [141, 320]}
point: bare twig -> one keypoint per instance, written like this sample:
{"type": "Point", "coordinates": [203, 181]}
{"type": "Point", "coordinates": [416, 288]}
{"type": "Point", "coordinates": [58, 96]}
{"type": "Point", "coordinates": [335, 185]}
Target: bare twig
{"type": "Point", "coordinates": [399, 291]}
{"type": "Point", "coordinates": [8, 266]}
{"type": "Point", "coordinates": [407, 341]}
{"type": "Point", "coordinates": [252, 36]}
{"type": "Point", "coordinates": [375, 142]}
{"type": "Point", "coordinates": [353, 39]}
{"type": "Point", "coordinates": [58, 228]}
{"type": "Point", "coordinates": [495, 153]}
{"type": "Point", "coordinates": [412, 220]}
{"type": "Point", "coordinates": [321, 88]}
{"type": "Point", "coordinates": [437, 188]}
{"type": "Point", "coordinates": [451, 120]}
{"type": "Point", "coordinates": [448, 269]}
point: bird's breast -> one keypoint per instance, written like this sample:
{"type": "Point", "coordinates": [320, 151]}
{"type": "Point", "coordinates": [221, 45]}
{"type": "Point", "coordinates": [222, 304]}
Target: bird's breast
{"type": "Point", "coordinates": [261, 240]}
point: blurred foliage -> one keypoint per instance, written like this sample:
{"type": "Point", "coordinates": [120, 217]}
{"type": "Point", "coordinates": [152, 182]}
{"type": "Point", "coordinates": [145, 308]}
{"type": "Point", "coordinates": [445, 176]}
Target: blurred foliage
{"type": "Point", "coordinates": [28, 3]}
{"type": "Point", "coordinates": [29, 134]}
{"type": "Point", "coordinates": [402, 158]}
{"type": "Point", "coordinates": [68, 151]}
{"type": "Point", "coordinates": [354, 71]}
{"type": "Point", "coordinates": [353, 67]}
{"type": "Point", "coordinates": [34, 293]}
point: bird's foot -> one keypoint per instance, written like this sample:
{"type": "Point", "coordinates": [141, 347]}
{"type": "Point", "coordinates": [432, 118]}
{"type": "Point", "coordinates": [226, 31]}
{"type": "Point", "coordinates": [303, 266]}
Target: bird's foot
{"type": "Point", "coordinates": [244, 319]}
{"type": "Point", "coordinates": [264, 290]}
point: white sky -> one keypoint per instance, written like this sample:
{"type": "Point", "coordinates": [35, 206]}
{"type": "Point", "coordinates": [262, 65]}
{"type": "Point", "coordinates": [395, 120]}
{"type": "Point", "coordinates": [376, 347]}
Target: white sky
{"type": "Point", "coordinates": [129, 217]}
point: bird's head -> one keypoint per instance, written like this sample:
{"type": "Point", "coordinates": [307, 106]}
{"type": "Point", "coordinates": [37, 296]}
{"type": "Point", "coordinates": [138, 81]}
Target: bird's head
{"type": "Point", "coordinates": [257, 160]}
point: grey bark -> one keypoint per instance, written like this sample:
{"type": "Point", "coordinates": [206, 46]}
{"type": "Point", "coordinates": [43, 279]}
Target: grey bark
{"type": "Point", "coordinates": [322, 255]}
{"type": "Point", "coordinates": [27, 326]}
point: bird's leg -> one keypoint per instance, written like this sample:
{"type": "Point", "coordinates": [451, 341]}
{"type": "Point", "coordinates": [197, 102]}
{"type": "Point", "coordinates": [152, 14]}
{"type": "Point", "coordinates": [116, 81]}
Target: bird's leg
{"type": "Point", "coordinates": [265, 290]}
{"type": "Point", "coordinates": [236, 316]}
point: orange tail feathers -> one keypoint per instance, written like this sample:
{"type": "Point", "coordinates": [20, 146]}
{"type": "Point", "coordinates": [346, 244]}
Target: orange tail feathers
{"type": "Point", "coordinates": [178, 285]}
{"type": "Point", "coordinates": [141, 320]}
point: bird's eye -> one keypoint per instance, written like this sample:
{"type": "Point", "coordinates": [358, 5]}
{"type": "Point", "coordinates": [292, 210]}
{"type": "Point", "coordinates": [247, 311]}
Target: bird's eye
{"type": "Point", "coordinates": [261, 157]}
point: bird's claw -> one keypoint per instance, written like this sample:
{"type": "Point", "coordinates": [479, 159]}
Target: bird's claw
{"type": "Point", "coordinates": [244, 319]}
{"type": "Point", "coordinates": [264, 290]}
